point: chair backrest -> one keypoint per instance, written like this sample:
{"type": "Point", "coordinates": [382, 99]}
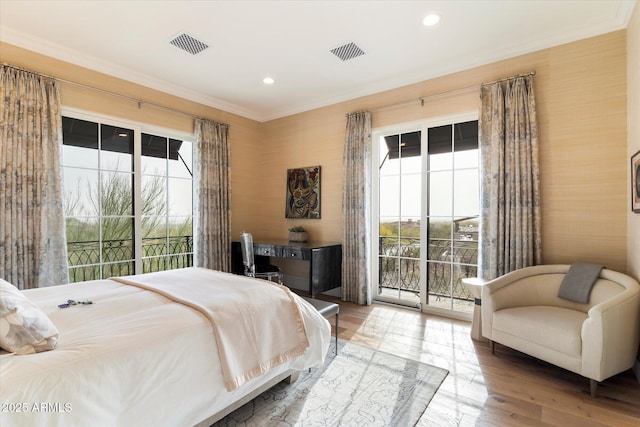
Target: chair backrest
{"type": "Point", "coordinates": [246, 242]}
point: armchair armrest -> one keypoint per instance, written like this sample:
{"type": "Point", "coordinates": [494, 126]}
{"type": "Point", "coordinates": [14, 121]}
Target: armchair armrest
{"type": "Point", "coordinates": [611, 335]}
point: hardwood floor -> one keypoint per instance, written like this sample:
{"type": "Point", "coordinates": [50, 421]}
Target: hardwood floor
{"type": "Point", "coordinates": [505, 389]}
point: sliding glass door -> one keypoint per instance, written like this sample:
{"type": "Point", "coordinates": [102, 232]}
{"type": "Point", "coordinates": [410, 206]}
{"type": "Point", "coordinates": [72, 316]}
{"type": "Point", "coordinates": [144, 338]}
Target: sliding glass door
{"type": "Point", "coordinates": [427, 214]}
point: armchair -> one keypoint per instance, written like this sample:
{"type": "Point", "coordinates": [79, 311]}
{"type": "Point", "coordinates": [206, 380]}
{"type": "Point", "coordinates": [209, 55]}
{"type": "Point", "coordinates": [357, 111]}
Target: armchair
{"type": "Point", "coordinates": [597, 340]}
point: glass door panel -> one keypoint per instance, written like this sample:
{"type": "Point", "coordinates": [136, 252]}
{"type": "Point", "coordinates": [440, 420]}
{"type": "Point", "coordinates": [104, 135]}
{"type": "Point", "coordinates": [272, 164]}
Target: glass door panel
{"type": "Point", "coordinates": [428, 216]}
{"type": "Point", "coordinates": [452, 213]}
{"type": "Point", "coordinates": [399, 213]}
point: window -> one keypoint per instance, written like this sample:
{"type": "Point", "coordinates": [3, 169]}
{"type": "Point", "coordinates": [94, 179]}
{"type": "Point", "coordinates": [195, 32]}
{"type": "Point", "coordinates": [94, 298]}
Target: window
{"type": "Point", "coordinates": [167, 204]}
{"type": "Point", "coordinates": [128, 199]}
{"type": "Point", "coordinates": [427, 206]}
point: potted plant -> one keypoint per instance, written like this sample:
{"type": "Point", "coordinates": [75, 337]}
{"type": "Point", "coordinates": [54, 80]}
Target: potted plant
{"type": "Point", "coordinates": [298, 234]}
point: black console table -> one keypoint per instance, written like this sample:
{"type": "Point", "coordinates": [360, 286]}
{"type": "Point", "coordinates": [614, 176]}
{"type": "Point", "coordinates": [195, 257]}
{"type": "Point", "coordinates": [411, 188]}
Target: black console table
{"type": "Point", "coordinates": [325, 258]}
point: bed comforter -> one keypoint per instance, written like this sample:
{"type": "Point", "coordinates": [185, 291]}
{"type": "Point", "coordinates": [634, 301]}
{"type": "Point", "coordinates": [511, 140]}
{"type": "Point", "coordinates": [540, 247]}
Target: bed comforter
{"type": "Point", "coordinates": [143, 357]}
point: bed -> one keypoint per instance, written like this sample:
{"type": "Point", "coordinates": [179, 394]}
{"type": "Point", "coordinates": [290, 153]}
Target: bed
{"type": "Point", "coordinates": [144, 351]}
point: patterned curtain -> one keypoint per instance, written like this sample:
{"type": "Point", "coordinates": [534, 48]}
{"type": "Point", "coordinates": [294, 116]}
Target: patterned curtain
{"type": "Point", "coordinates": [33, 250]}
{"type": "Point", "coordinates": [510, 195]}
{"type": "Point", "coordinates": [213, 207]}
{"type": "Point", "coordinates": [356, 235]}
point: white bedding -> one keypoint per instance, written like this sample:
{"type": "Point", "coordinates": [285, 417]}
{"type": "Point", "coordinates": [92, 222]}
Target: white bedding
{"type": "Point", "coordinates": [131, 358]}
{"type": "Point", "coordinates": [251, 338]}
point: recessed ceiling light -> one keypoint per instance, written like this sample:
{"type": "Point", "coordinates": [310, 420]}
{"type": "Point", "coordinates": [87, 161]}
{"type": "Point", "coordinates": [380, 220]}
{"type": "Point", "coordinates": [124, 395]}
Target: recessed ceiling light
{"type": "Point", "coordinates": [268, 81]}
{"type": "Point", "coordinates": [431, 19]}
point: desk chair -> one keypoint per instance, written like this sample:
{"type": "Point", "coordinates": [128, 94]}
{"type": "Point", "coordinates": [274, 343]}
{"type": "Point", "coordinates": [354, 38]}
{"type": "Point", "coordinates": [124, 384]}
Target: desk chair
{"type": "Point", "coordinates": [266, 271]}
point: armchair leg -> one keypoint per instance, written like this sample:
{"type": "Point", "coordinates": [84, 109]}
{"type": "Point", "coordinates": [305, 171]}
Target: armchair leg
{"type": "Point", "coordinates": [492, 347]}
{"type": "Point", "coordinates": [594, 387]}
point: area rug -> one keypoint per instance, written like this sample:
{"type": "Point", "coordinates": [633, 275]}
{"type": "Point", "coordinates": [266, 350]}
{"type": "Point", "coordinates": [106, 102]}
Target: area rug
{"type": "Point", "coordinates": [358, 387]}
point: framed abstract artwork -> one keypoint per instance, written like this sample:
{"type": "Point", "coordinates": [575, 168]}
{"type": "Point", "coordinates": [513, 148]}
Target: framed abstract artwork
{"type": "Point", "coordinates": [635, 182]}
{"type": "Point", "coordinates": [303, 193]}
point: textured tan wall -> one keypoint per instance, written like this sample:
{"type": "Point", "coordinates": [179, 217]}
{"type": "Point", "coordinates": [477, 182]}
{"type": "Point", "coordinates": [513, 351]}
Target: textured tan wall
{"type": "Point", "coordinates": [633, 137]}
{"type": "Point", "coordinates": [581, 97]}
{"type": "Point", "coordinates": [584, 154]}
{"type": "Point", "coordinates": [581, 106]}
{"type": "Point", "coordinates": [633, 129]}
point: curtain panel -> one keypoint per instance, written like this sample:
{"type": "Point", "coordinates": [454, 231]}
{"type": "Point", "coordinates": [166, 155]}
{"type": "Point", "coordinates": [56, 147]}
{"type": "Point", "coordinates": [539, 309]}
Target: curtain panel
{"type": "Point", "coordinates": [356, 233]}
{"type": "Point", "coordinates": [33, 249]}
{"type": "Point", "coordinates": [510, 233]}
{"type": "Point", "coordinates": [213, 200]}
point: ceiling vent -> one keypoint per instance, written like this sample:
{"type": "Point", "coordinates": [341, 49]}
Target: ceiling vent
{"type": "Point", "coordinates": [188, 44]}
{"type": "Point", "coordinates": [347, 51]}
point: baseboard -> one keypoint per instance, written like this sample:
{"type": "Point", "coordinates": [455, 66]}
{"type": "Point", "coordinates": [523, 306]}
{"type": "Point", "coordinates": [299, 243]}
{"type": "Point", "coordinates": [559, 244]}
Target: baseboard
{"type": "Point", "coordinates": [636, 369]}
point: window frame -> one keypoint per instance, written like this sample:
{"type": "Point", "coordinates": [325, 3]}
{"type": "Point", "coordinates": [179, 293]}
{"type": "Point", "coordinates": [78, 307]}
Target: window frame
{"type": "Point", "coordinates": [419, 125]}
{"type": "Point", "coordinates": [138, 128]}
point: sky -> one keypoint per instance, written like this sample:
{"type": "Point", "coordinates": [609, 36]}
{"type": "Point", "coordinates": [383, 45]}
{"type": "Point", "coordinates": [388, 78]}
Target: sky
{"type": "Point", "coordinates": [81, 175]}
{"type": "Point", "coordinates": [447, 172]}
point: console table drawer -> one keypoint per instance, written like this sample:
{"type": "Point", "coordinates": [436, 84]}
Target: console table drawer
{"type": "Point", "coordinates": [296, 253]}
{"type": "Point", "coordinates": [267, 250]}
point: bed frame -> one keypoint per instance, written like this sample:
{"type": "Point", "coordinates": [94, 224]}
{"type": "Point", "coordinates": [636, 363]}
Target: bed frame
{"type": "Point", "coordinates": [289, 376]}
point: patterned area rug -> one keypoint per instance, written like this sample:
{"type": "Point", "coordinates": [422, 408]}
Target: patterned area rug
{"type": "Point", "coordinates": [359, 387]}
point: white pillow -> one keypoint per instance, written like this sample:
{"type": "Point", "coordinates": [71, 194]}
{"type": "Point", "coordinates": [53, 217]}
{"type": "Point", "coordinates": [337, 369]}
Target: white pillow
{"type": "Point", "coordinates": [24, 328]}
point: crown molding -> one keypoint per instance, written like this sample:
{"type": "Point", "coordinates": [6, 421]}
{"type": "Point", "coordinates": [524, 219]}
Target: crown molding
{"type": "Point", "coordinates": [620, 21]}
{"type": "Point", "coordinates": [489, 57]}
{"type": "Point", "coordinates": [74, 57]}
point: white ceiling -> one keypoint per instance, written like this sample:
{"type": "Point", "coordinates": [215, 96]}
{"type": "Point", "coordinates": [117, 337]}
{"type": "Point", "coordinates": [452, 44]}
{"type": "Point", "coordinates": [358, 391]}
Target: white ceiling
{"type": "Point", "coordinates": [291, 42]}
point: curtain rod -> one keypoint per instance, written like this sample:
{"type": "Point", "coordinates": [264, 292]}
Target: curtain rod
{"type": "Point", "coordinates": [447, 93]}
{"type": "Point", "coordinates": [119, 95]}
{"type": "Point", "coordinates": [173, 110]}
{"type": "Point", "coordinates": [530, 73]}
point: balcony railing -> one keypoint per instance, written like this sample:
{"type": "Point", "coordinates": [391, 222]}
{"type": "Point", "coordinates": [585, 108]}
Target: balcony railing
{"type": "Point", "coordinates": [117, 256]}
{"type": "Point", "coordinates": [448, 262]}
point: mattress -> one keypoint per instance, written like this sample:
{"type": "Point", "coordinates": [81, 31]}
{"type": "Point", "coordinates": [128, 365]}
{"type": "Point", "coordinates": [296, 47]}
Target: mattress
{"type": "Point", "coordinates": [133, 357]}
